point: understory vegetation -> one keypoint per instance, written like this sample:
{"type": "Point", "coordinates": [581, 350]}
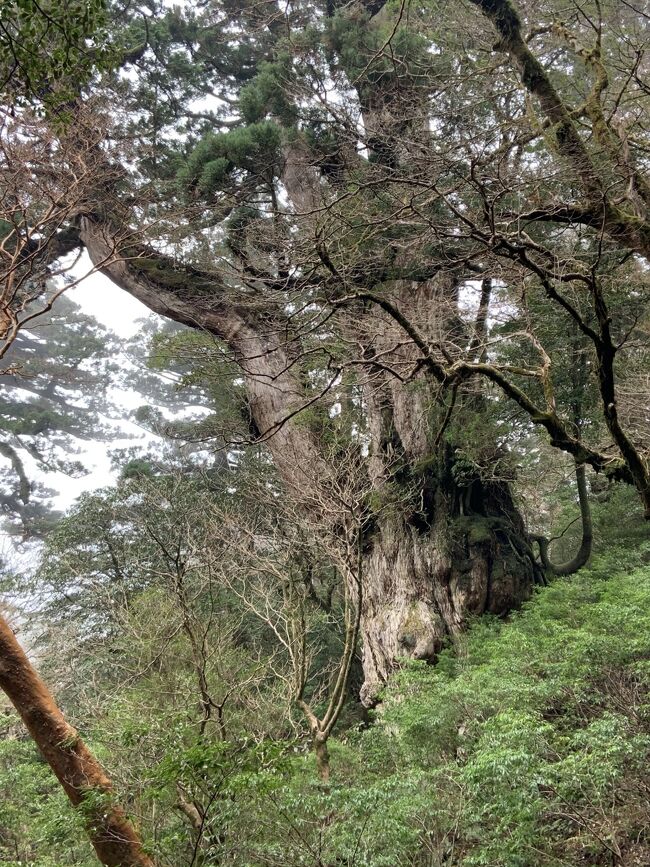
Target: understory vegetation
{"type": "Point", "coordinates": [527, 744]}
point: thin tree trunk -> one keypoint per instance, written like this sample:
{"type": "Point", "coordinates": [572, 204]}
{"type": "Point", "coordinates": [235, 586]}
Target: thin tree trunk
{"type": "Point", "coordinates": [322, 758]}
{"type": "Point", "coordinates": [82, 777]}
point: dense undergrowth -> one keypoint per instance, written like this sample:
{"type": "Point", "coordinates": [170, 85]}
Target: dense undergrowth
{"type": "Point", "coordinates": [527, 745]}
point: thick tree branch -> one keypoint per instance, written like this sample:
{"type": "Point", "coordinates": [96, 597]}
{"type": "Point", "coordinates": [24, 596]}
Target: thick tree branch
{"type": "Point", "coordinates": [624, 226]}
{"type": "Point", "coordinates": [203, 301]}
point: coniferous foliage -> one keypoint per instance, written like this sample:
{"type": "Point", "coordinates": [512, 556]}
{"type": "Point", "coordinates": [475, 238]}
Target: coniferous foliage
{"type": "Point", "coordinates": [54, 388]}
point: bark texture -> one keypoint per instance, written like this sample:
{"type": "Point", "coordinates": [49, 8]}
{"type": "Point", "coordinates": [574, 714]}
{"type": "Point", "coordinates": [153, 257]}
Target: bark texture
{"type": "Point", "coordinates": [445, 544]}
{"type": "Point", "coordinates": [82, 777]}
{"type": "Point", "coordinates": [426, 575]}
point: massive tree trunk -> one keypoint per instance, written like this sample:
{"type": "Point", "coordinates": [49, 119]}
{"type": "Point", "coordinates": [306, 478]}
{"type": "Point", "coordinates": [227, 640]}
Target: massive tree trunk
{"type": "Point", "coordinates": [460, 553]}
{"type": "Point", "coordinates": [446, 542]}
{"type": "Point", "coordinates": [82, 777]}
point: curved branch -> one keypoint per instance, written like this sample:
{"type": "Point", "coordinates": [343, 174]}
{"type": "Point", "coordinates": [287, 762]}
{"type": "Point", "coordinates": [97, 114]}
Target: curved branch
{"type": "Point", "coordinates": [560, 437]}
{"type": "Point", "coordinates": [584, 551]}
{"type": "Point", "coordinates": [261, 348]}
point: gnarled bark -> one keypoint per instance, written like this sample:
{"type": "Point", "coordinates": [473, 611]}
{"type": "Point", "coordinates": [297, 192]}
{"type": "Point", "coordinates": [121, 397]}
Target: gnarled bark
{"type": "Point", "coordinates": [443, 543]}
{"type": "Point", "coordinates": [461, 551]}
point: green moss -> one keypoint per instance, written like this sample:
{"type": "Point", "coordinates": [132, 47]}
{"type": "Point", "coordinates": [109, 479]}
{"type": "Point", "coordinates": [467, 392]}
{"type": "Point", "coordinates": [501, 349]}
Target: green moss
{"type": "Point", "coordinates": [480, 532]}
{"type": "Point", "coordinates": [427, 465]}
{"type": "Point", "coordinates": [415, 629]}
{"type": "Point", "coordinates": [476, 529]}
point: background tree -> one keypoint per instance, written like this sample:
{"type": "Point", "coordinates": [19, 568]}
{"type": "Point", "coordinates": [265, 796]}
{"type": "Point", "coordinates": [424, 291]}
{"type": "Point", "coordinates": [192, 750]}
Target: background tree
{"type": "Point", "coordinates": [54, 389]}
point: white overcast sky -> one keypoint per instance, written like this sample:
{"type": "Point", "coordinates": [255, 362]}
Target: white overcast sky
{"type": "Point", "coordinates": [111, 306]}
{"type": "Point", "coordinates": [121, 313]}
